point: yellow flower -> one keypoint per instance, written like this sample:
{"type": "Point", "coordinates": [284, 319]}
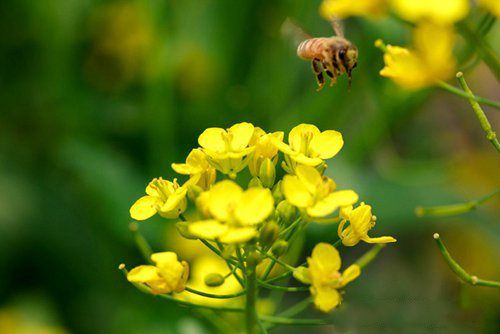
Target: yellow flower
{"type": "Point", "coordinates": [166, 198]}
{"type": "Point", "coordinates": [235, 212]}
{"type": "Point", "coordinates": [228, 150]}
{"type": "Point", "coordinates": [361, 221]}
{"type": "Point", "coordinates": [309, 146]}
{"type": "Point", "coordinates": [197, 166]}
{"type": "Point", "coordinates": [324, 265]}
{"type": "Point", "coordinates": [442, 11]}
{"type": "Point", "coordinates": [492, 5]}
{"type": "Point", "coordinates": [264, 148]}
{"type": "Point", "coordinates": [344, 8]}
{"type": "Point", "coordinates": [166, 276]}
{"type": "Point", "coordinates": [316, 194]}
{"type": "Point", "coordinates": [430, 60]}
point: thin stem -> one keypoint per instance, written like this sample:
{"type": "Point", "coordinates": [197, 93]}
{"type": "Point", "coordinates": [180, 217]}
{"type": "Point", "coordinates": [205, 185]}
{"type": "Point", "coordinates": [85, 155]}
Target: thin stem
{"type": "Point", "coordinates": [337, 243]}
{"type": "Point", "coordinates": [369, 256]}
{"type": "Point", "coordinates": [461, 93]}
{"type": "Point", "coordinates": [269, 267]}
{"type": "Point", "coordinates": [211, 295]}
{"type": "Point", "coordinates": [454, 209]}
{"type": "Point", "coordinates": [251, 297]}
{"type": "Point", "coordinates": [141, 242]}
{"type": "Point", "coordinates": [287, 266]}
{"type": "Point", "coordinates": [283, 288]}
{"type": "Point", "coordinates": [485, 124]}
{"type": "Point", "coordinates": [230, 263]}
{"type": "Point", "coordinates": [290, 228]}
{"type": "Point", "coordinates": [459, 271]}
{"type": "Point", "coordinates": [295, 322]}
{"type": "Point", "coordinates": [147, 290]}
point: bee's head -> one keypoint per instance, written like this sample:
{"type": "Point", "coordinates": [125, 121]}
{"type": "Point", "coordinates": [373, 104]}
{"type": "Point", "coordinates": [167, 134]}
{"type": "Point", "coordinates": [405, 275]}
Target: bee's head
{"type": "Point", "coordinates": [348, 55]}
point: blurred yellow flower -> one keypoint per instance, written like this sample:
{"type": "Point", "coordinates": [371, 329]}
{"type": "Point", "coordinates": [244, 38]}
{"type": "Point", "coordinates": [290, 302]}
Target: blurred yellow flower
{"type": "Point", "coordinates": [166, 198]}
{"type": "Point", "coordinates": [430, 60]}
{"type": "Point", "coordinates": [228, 150]}
{"type": "Point", "coordinates": [361, 221]}
{"type": "Point", "coordinates": [492, 5]}
{"type": "Point", "coordinates": [344, 8]}
{"type": "Point", "coordinates": [316, 194]}
{"type": "Point", "coordinates": [197, 166]}
{"type": "Point", "coordinates": [442, 11]}
{"type": "Point", "coordinates": [309, 146]}
{"type": "Point", "coordinates": [235, 212]}
{"type": "Point", "coordinates": [166, 276]}
{"type": "Point", "coordinates": [264, 148]}
{"type": "Point", "coordinates": [324, 265]}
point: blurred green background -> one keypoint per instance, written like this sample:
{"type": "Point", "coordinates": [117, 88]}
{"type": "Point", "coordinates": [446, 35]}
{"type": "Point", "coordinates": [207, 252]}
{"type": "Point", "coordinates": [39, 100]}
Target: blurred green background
{"type": "Point", "coordinates": [99, 97]}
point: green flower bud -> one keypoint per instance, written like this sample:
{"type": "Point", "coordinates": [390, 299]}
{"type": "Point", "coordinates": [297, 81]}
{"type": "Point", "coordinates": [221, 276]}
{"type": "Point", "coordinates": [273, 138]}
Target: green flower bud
{"type": "Point", "coordinates": [182, 228]}
{"type": "Point", "coordinates": [279, 248]}
{"type": "Point", "coordinates": [286, 212]}
{"type": "Point", "coordinates": [255, 182]}
{"type": "Point", "coordinates": [214, 279]}
{"type": "Point", "coordinates": [267, 173]}
{"type": "Point", "coordinates": [301, 274]}
{"type": "Point", "coordinates": [194, 191]}
{"type": "Point", "coordinates": [269, 233]}
{"type": "Point", "coordinates": [277, 193]}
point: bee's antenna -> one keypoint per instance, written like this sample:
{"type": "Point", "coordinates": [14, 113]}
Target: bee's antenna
{"type": "Point", "coordinates": [337, 26]}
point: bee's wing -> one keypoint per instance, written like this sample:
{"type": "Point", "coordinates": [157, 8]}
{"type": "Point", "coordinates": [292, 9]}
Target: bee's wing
{"type": "Point", "coordinates": [293, 32]}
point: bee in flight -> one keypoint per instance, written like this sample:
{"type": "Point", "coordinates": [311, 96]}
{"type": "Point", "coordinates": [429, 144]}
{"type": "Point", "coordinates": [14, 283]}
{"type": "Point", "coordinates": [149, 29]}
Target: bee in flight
{"type": "Point", "coordinates": [331, 55]}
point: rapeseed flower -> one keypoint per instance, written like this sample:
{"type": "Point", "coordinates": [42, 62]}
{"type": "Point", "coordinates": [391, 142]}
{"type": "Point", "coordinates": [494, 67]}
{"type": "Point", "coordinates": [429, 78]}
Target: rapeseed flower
{"type": "Point", "coordinates": [440, 12]}
{"type": "Point", "coordinates": [166, 198]}
{"type": "Point", "coordinates": [228, 150]}
{"type": "Point", "coordinates": [265, 148]}
{"type": "Point", "coordinates": [197, 166]}
{"type": "Point", "coordinates": [430, 60]}
{"type": "Point", "coordinates": [166, 276]}
{"type": "Point", "coordinates": [324, 276]}
{"type": "Point", "coordinates": [315, 194]}
{"type": "Point", "coordinates": [344, 8]}
{"type": "Point", "coordinates": [307, 145]}
{"type": "Point", "coordinates": [361, 221]}
{"type": "Point", "coordinates": [492, 5]}
{"type": "Point", "coordinates": [234, 213]}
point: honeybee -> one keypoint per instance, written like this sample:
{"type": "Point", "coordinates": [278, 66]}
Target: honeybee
{"type": "Point", "coordinates": [331, 55]}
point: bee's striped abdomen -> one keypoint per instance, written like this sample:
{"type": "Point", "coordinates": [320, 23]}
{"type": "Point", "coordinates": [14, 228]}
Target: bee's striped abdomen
{"type": "Point", "coordinates": [312, 48]}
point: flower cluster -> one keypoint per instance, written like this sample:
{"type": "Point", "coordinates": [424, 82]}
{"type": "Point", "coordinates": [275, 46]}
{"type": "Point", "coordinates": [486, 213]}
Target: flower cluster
{"type": "Point", "coordinates": [255, 226]}
{"type": "Point", "coordinates": [430, 58]}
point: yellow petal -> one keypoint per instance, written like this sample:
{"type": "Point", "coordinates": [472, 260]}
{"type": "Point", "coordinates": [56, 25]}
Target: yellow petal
{"type": "Point", "coordinates": [326, 257]}
{"type": "Point", "coordinates": [361, 219]}
{"type": "Point", "coordinates": [310, 177]}
{"type": "Point", "coordinates": [332, 202]}
{"type": "Point", "coordinates": [144, 208]}
{"type": "Point", "coordinates": [326, 298]}
{"type": "Point", "coordinates": [184, 169]}
{"type": "Point", "coordinates": [174, 200]}
{"type": "Point", "coordinates": [242, 133]}
{"type": "Point", "coordinates": [213, 139]}
{"type": "Point", "coordinates": [143, 274]}
{"type": "Point", "coordinates": [305, 160]}
{"type": "Point", "coordinates": [255, 205]}
{"type": "Point", "coordinates": [378, 240]}
{"type": "Point", "coordinates": [222, 197]}
{"type": "Point", "coordinates": [327, 144]}
{"type": "Point", "coordinates": [350, 274]}
{"type": "Point", "coordinates": [238, 235]}
{"type": "Point", "coordinates": [300, 133]}
{"type": "Point", "coordinates": [296, 192]}
{"type": "Point", "coordinates": [443, 11]}
{"type": "Point", "coordinates": [207, 229]}
{"type": "Point", "coordinates": [345, 212]}
{"type": "Point", "coordinates": [164, 259]}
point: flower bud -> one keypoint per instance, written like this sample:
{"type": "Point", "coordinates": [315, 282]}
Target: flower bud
{"type": "Point", "coordinates": [267, 173]}
{"type": "Point", "coordinates": [194, 191]}
{"type": "Point", "coordinates": [301, 274]}
{"type": "Point", "coordinates": [279, 248]}
{"type": "Point", "coordinates": [255, 182]}
{"type": "Point", "coordinates": [182, 228]}
{"type": "Point", "coordinates": [269, 233]}
{"type": "Point", "coordinates": [286, 212]}
{"type": "Point", "coordinates": [214, 279]}
{"type": "Point", "coordinates": [277, 193]}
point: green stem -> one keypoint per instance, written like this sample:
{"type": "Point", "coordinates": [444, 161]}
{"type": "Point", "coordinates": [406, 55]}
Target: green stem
{"type": "Point", "coordinates": [295, 322]}
{"type": "Point", "coordinates": [369, 256]}
{"type": "Point", "coordinates": [485, 124]}
{"type": "Point", "coordinates": [275, 259]}
{"type": "Point", "coordinates": [337, 243]}
{"type": "Point", "coordinates": [454, 209]}
{"type": "Point", "coordinates": [141, 242]}
{"type": "Point", "coordinates": [211, 295]}
{"type": "Point", "coordinates": [461, 93]}
{"type": "Point", "coordinates": [230, 263]}
{"type": "Point", "coordinates": [251, 297]}
{"type": "Point", "coordinates": [459, 271]}
{"type": "Point", "coordinates": [283, 288]}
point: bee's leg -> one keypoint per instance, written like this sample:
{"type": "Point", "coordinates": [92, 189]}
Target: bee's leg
{"type": "Point", "coordinates": [331, 73]}
{"type": "Point", "coordinates": [318, 71]}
